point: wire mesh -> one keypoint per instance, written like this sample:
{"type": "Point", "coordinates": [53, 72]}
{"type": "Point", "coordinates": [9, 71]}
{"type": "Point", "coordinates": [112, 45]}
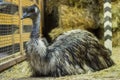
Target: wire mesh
{"type": "Point", "coordinates": [14, 33]}
{"type": "Point", "coordinates": [10, 26]}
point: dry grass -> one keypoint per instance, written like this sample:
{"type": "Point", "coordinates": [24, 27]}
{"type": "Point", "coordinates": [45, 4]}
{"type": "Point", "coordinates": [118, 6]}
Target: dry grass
{"type": "Point", "coordinates": [73, 14]}
{"type": "Point", "coordinates": [17, 71]}
{"type": "Point", "coordinates": [116, 22]}
{"type": "Point", "coordinates": [73, 18]}
{"type": "Point", "coordinates": [116, 14]}
{"type": "Point", "coordinates": [22, 70]}
{"type": "Point", "coordinates": [116, 38]}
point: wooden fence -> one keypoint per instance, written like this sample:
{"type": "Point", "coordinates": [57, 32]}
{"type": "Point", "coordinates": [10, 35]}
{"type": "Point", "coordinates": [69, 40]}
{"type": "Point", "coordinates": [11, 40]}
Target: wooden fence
{"type": "Point", "coordinates": [14, 32]}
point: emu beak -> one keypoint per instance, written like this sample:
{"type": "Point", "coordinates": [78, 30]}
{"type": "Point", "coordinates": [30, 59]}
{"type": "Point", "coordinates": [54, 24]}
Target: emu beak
{"type": "Point", "coordinates": [24, 16]}
{"type": "Point", "coordinates": [4, 4]}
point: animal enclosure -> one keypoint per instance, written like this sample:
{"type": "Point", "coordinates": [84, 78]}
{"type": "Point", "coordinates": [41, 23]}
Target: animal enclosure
{"type": "Point", "coordinates": [14, 32]}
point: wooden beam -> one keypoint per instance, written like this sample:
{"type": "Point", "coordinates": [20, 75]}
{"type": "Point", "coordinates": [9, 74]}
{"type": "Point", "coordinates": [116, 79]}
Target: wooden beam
{"type": "Point", "coordinates": [27, 21]}
{"type": "Point", "coordinates": [7, 19]}
{"type": "Point", "coordinates": [7, 40]}
{"type": "Point", "coordinates": [4, 59]}
{"type": "Point", "coordinates": [24, 2]}
{"type": "Point", "coordinates": [11, 62]}
{"type": "Point", "coordinates": [41, 6]}
{"type": "Point", "coordinates": [27, 2]}
{"type": "Point", "coordinates": [21, 25]}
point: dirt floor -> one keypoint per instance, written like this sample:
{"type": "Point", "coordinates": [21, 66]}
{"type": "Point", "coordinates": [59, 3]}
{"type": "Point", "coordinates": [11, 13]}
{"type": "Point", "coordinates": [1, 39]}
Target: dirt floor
{"type": "Point", "coordinates": [21, 71]}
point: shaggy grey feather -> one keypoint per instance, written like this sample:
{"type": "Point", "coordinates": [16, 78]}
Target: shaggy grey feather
{"type": "Point", "coordinates": [73, 52]}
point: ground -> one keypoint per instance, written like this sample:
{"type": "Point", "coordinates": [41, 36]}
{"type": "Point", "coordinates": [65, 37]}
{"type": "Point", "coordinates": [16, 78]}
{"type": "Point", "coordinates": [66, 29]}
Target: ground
{"type": "Point", "coordinates": [21, 71]}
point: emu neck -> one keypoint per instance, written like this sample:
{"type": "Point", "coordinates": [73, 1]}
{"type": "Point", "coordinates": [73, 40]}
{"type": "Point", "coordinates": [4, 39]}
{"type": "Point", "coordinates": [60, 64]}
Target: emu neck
{"type": "Point", "coordinates": [36, 27]}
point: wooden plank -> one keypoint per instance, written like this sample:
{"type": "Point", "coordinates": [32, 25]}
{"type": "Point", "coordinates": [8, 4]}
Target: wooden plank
{"type": "Point", "coordinates": [3, 59]}
{"type": "Point", "coordinates": [12, 61]}
{"type": "Point", "coordinates": [20, 24]}
{"type": "Point", "coordinates": [27, 21]}
{"type": "Point", "coordinates": [7, 40]}
{"type": "Point", "coordinates": [27, 2]}
{"type": "Point", "coordinates": [7, 19]}
{"type": "Point", "coordinates": [42, 15]}
{"type": "Point", "coordinates": [24, 2]}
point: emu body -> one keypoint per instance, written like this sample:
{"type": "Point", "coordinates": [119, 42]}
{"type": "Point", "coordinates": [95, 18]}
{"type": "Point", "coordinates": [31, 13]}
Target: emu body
{"type": "Point", "coordinates": [73, 52]}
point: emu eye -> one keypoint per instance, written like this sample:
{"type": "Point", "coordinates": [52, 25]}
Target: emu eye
{"type": "Point", "coordinates": [32, 10]}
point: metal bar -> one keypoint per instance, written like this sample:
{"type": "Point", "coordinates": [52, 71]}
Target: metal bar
{"type": "Point", "coordinates": [108, 25]}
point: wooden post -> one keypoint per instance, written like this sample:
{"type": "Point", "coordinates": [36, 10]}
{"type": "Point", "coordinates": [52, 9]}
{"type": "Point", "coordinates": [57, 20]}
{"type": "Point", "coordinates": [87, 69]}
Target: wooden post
{"type": "Point", "coordinates": [108, 25]}
{"type": "Point", "coordinates": [41, 3]}
{"type": "Point", "coordinates": [20, 26]}
{"type": "Point", "coordinates": [13, 38]}
{"type": "Point", "coordinates": [34, 1]}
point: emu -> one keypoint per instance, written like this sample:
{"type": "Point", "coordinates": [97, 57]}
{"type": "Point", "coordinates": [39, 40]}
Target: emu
{"type": "Point", "coordinates": [74, 52]}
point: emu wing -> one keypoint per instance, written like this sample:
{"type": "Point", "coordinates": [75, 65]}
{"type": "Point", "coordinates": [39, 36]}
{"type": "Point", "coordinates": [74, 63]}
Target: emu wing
{"type": "Point", "coordinates": [79, 51]}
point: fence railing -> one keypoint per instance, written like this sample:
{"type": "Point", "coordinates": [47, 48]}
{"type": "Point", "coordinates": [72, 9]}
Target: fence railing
{"type": "Point", "coordinates": [14, 32]}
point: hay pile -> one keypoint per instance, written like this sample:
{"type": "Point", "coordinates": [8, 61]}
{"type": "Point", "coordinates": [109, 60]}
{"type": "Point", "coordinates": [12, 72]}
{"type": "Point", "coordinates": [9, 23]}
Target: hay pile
{"type": "Point", "coordinates": [116, 22]}
{"type": "Point", "coordinates": [17, 71]}
{"type": "Point", "coordinates": [64, 15]}
{"type": "Point", "coordinates": [72, 18]}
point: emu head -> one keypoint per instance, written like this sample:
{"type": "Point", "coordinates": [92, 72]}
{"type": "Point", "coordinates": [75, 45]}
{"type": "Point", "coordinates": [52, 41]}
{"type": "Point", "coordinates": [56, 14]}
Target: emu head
{"type": "Point", "coordinates": [31, 12]}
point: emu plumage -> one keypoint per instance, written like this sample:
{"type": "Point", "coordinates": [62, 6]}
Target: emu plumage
{"type": "Point", "coordinates": [73, 52]}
